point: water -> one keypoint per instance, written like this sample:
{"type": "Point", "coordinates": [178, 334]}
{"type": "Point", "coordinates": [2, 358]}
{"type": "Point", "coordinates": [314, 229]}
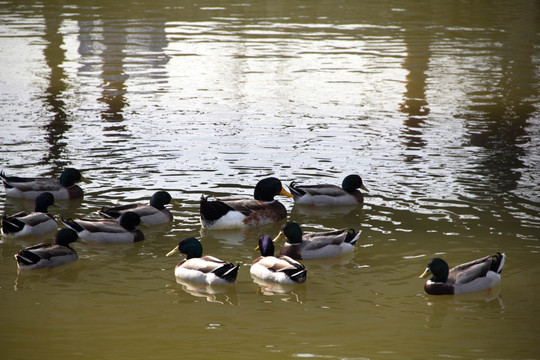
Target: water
{"type": "Point", "coordinates": [435, 104]}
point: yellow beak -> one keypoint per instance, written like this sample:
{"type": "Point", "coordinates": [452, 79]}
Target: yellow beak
{"type": "Point", "coordinates": [279, 237]}
{"type": "Point", "coordinates": [174, 202]}
{"type": "Point", "coordinates": [173, 251]}
{"type": "Point", "coordinates": [425, 274]}
{"type": "Point", "coordinates": [285, 193]}
{"type": "Point", "coordinates": [364, 188]}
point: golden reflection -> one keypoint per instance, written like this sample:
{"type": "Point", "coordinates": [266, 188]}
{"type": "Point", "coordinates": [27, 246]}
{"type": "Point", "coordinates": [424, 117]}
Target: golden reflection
{"type": "Point", "coordinates": [415, 105]}
{"type": "Point", "coordinates": [55, 57]}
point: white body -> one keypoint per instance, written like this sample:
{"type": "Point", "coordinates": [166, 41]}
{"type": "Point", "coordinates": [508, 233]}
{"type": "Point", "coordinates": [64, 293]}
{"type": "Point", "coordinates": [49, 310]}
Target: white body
{"type": "Point", "coordinates": [51, 256]}
{"type": "Point", "coordinates": [193, 270]}
{"type": "Point", "coordinates": [59, 194]}
{"type": "Point", "coordinates": [231, 220]}
{"type": "Point", "coordinates": [328, 251]}
{"type": "Point", "coordinates": [261, 270]}
{"type": "Point", "coordinates": [46, 225]}
{"type": "Point", "coordinates": [325, 200]}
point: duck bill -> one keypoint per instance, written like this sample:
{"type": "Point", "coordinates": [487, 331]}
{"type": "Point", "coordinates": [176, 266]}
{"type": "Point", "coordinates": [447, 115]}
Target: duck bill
{"type": "Point", "coordinates": [85, 180]}
{"type": "Point", "coordinates": [285, 193]}
{"type": "Point", "coordinates": [174, 202]}
{"type": "Point", "coordinates": [280, 237]}
{"type": "Point", "coordinates": [173, 251]}
{"type": "Point", "coordinates": [364, 188]}
{"type": "Point", "coordinates": [425, 274]}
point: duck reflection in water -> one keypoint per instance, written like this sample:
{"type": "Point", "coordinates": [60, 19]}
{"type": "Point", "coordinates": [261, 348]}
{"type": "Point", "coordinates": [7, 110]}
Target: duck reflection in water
{"type": "Point", "coordinates": [286, 292]}
{"type": "Point", "coordinates": [222, 294]}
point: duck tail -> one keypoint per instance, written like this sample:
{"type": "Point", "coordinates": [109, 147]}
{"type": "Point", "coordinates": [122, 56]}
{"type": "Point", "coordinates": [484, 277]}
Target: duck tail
{"type": "Point", "coordinates": [497, 262]}
{"type": "Point", "coordinates": [352, 236]}
{"type": "Point", "coordinates": [104, 213]}
{"type": "Point", "coordinates": [5, 180]}
{"type": "Point", "coordinates": [72, 224]}
{"type": "Point", "coordinates": [228, 272]}
{"type": "Point", "coordinates": [296, 191]}
{"type": "Point", "coordinates": [26, 258]}
{"type": "Point", "coordinates": [213, 210]}
{"type": "Point", "coordinates": [11, 225]}
{"type": "Point", "coordinates": [297, 275]}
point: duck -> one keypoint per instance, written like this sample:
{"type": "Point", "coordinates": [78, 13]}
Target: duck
{"type": "Point", "coordinates": [151, 214]}
{"type": "Point", "coordinates": [34, 223]}
{"type": "Point", "coordinates": [29, 188]}
{"type": "Point", "coordinates": [478, 275]}
{"type": "Point", "coordinates": [202, 269]}
{"type": "Point", "coordinates": [281, 269]}
{"type": "Point", "coordinates": [329, 195]}
{"type": "Point", "coordinates": [318, 245]}
{"type": "Point", "coordinates": [47, 255]}
{"type": "Point", "coordinates": [108, 230]}
{"type": "Point", "coordinates": [241, 213]}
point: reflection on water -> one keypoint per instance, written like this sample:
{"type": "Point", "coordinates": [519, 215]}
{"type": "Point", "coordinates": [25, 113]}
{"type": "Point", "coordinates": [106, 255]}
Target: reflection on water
{"type": "Point", "coordinates": [435, 104]}
{"type": "Point", "coordinates": [415, 105]}
{"type": "Point", "coordinates": [222, 294]}
{"type": "Point", "coordinates": [54, 55]}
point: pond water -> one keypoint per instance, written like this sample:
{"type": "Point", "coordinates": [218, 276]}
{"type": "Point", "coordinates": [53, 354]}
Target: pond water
{"type": "Point", "coordinates": [434, 104]}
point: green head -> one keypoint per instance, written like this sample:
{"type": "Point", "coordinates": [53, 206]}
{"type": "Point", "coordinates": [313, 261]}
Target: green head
{"type": "Point", "coordinates": [292, 232]}
{"type": "Point", "coordinates": [160, 199]}
{"type": "Point", "coordinates": [43, 201]}
{"type": "Point", "coordinates": [438, 268]}
{"type": "Point", "coordinates": [130, 220]}
{"type": "Point", "coordinates": [353, 182]}
{"type": "Point", "coordinates": [65, 236]}
{"type": "Point", "coordinates": [191, 247]}
{"type": "Point", "coordinates": [266, 189]}
{"type": "Point", "coordinates": [70, 176]}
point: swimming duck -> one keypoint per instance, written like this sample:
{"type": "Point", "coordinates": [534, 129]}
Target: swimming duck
{"type": "Point", "coordinates": [108, 230]}
{"type": "Point", "coordinates": [261, 210]}
{"type": "Point", "coordinates": [202, 269]}
{"type": "Point", "coordinates": [330, 195]}
{"type": "Point", "coordinates": [34, 223]}
{"type": "Point", "coordinates": [477, 275]}
{"type": "Point", "coordinates": [153, 214]}
{"type": "Point", "coordinates": [47, 255]}
{"type": "Point", "coordinates": [63, 188]}
{"type": "Point", "coordinates": [315, 245]}
{"type": "Point", "coordinates": [281, 269]}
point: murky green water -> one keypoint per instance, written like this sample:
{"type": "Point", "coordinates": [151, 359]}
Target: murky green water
{"type": "Point", "coordinates": [435, 104]}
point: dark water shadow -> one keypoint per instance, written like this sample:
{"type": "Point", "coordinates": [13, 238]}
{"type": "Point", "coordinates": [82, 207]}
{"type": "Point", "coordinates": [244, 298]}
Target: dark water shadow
{"type": "Point", "coordinates": [502, 108]}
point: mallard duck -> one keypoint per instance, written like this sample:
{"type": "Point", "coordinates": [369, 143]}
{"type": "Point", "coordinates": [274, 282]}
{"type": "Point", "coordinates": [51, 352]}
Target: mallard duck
{"type": "Point", "coordinates": [34, 223]}
{"type": "Point", "coordinates": [108, 230]}
{"type": "Point", "coordinates": [329, 195]}
{"type": "Point", "coordinates": [63, 188]}
{"type": "Point", "coordinates": [315, 245]}
{"type": "Point", "coordinates": [477, 275]}
{"type": "Point", "coordinates": [47, 255]}
{"type": "Point", "coordinates": [232, 214]}
{"type": "Point", "coordinates": [281, 269]}
{"type": "Point", "coordinates": [153, 214]}
{"type": "Point", "coordinates": [202, 269]}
